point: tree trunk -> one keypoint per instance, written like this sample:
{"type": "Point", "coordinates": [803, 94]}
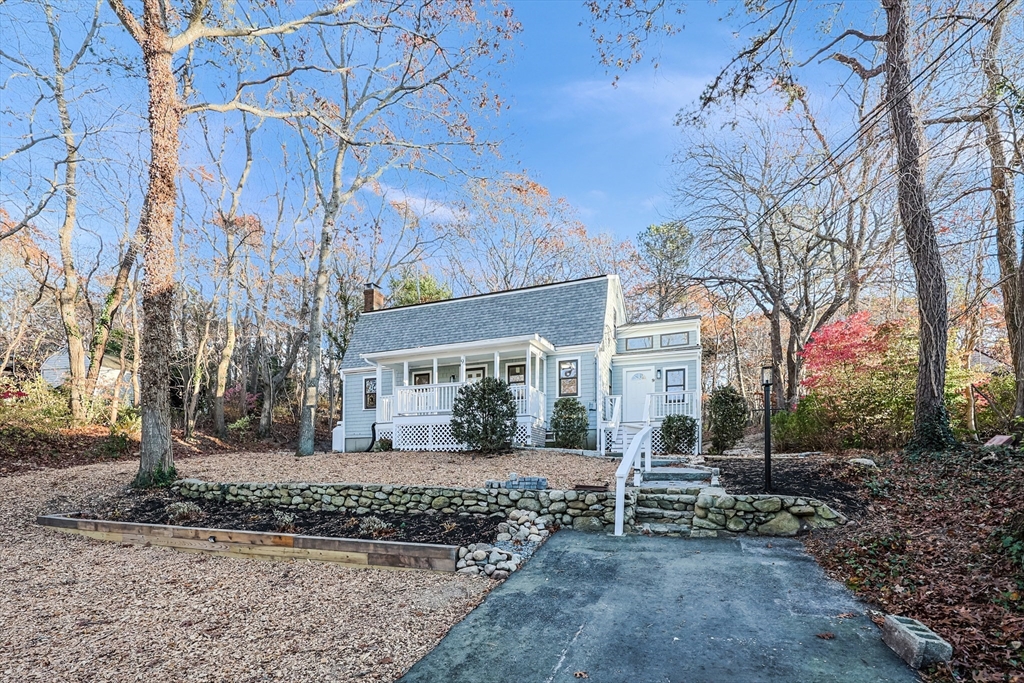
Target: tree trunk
{"type": "Point", "coordinates": [311, 385]}
{"type": "Point", "coordinates": [67, 295]}
{"type": "Point", "coordinates": [157, 229]}
{"type": "Point", "coordinates": [101, 333]}
{"type": "Point", "coordinates": [229, 344]}
{"type": "Point", "coordinates": [931, 421]}
{"type": "Point", "coordinates": [1010, 271]}
{"type": "Point", "coordinates": [778, 390]}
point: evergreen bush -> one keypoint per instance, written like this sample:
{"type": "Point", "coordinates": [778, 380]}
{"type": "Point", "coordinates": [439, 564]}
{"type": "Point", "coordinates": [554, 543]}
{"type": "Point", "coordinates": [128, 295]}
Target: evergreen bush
{"type": "Point", "coordinates": [570, 422]}
{"type": "Point", "coordinates": [484, 416]}
{"type": "Point", "coordinates": [679, 434]}
{"type": "Point", "coordinates": [727, 416]}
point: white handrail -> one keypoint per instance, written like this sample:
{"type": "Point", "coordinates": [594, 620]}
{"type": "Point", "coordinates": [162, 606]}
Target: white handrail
{"type": "Point", "coordinates": [385, 408]}
{"type": "Point", "coordinates": [659, 405]}
{"type": "Point", "coordinates": [630, 461]}
{"type": "Point", "coordinates": [426, 399]}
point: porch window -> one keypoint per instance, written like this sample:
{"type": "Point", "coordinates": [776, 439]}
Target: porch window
{"type": "Point", "coordinates": [516, 373]}
{"type": "Point", "coordinates": [370, 393]}
{"type": "Point", "coordinates": [419, 378]}
{"type": "Point", "coordinates": [675, 339]}
{"type": "Point", "coordinates": [639, 343]}
{"type": "Point", "coordinates": [568, 377]}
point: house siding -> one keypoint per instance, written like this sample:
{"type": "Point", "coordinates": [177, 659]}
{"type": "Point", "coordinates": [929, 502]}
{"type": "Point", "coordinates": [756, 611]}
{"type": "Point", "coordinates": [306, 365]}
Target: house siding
{"type": "Point", "coordinates": [359, 422]}
{"type": "Point", "coordinates": [588, 387]}
{"type": "Point", "coordinates": [692, 380]}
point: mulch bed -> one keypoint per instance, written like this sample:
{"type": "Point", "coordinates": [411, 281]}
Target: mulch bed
{"type": "Point", "coordinates": [152, 508]}
{"type": "Point", "coordinates": [830, 479]}
{"type": "Point", "coordinates": [931, 547]}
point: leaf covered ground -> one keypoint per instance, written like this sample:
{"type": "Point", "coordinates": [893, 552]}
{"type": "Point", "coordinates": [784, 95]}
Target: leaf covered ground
{"type": "Point", "coordinates": [942, 541]}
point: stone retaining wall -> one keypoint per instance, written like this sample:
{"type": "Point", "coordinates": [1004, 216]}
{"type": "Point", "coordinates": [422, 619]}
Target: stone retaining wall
{"type": "Point", "coordinates": [694, 512]}
{"type": "Point", "coordinates": [713, 512]}
{"type": "Point", "coordinates": [576, 509]}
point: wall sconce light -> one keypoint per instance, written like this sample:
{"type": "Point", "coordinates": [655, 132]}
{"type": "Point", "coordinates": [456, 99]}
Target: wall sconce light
{"type": "Point", "coordinates": [658, 374]}
{"type": "Point", "coordinates": [453, 378]}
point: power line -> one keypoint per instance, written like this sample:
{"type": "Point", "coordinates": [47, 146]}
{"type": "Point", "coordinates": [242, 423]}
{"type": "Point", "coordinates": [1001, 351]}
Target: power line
{"type": "Point", "coordinates": [877, 113]}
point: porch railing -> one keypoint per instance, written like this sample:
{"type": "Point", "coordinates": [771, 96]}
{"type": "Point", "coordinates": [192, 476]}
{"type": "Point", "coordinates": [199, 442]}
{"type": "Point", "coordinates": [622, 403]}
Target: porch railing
{"type": "Point", "coordinates": [529, 400]}
{"type": "Point", "coordinates": [639, 446]}
{"type": "Point", "coordinates": [385, 408]}
{"type": "Point", "coordinates": [658, 406]}
{"type": "Point", "coordinates": [426, 399]}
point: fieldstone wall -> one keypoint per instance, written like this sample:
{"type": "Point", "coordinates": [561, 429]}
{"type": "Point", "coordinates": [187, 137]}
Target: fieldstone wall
{"type": "Point", "coordinates": [693, 512]}
{"type": "Point", "coordinates": [710, 512]}
{"type": "Point", "coordinates": [579, 510]}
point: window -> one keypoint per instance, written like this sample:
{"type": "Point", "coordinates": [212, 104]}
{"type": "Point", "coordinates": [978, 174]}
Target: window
{"type": "Point", "coordinates": [370, 393]}
{"type": "Point", "coordinates": [675, 381]}
{"type": "Point", "coordinates": [568, 377]}
{"type": "Point", "coordinates": [639, 343]}
{"type": "Point", "coordinates": [675, 339]}
{"type": "Point", "coordinates": [419, 378]}
{"type": "Point", "coordinates": [516, 373]}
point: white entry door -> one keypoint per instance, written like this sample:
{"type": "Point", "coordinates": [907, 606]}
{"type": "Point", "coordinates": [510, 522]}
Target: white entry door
{"type": "Point", "coordinates": [636, 384]}
{"type": "Point", "coordinates": [474, 375]}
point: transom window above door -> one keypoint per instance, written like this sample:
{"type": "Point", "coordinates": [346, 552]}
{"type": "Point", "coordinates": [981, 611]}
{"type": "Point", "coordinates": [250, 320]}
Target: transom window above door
{"type": "Point", "coordinates": [516, 373]}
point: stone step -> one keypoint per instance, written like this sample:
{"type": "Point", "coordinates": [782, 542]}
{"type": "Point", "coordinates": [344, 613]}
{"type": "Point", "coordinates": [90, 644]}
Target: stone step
{"type": "Point", "coordinates": [689, 496]}
{"type": "Point", "coordinates": [667, 489]}
{"type": "Point", "coordinates": [659, 513]}
{"type": "Point", "coordinates": [665, 529]}
{"type": "Point", "coordinates": [676, 474]}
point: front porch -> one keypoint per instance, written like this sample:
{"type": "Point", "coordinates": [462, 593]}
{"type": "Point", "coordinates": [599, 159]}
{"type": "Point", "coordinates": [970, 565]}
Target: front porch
{"type": "Point", "coordinates": [615, 432]}
{"type": "Point", "coordinates": [416, 415]}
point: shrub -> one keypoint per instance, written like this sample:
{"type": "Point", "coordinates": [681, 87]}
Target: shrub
{"type": "Point", "coordinates": [33, 405]}
{"type": "Point", "coordinates": [679, 433]}
{"type": "Point", "coordinates": [727, 416]}
{"type": "Point", "coordinates": [804, 428]}
{"type": "Point", "coordinates": [570, 422]}
{"type": "Point", "coordinates": [184, 511]}
{"type": "Point", "coordinates": [241, 425]}
{"type": "Point", "coordinates": [484, 416]}
{"type": "Point", "coordinates": [383, 445]}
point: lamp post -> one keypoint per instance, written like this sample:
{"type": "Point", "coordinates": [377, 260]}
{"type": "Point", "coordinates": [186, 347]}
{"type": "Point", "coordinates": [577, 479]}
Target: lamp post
{"type": "Point", "coordinates": [766, 382]}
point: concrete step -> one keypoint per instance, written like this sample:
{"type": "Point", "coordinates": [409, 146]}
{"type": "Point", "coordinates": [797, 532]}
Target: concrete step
{"type": "Point", "coordinates": [660, 488]}
{"type": "Point", "coordinates": [659, 515]}
{"type": "Point", "coordinates": [665, 529]}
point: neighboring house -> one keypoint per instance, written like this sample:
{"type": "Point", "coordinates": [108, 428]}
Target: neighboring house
{"type": "Point", "coordinates": [404, 366]}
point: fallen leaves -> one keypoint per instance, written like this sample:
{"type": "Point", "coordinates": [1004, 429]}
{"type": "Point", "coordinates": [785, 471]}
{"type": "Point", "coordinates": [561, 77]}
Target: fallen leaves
{"type": "Point", "coordinates": [827, 635]}
{"type": "Point", "coordinates": [581, 674]}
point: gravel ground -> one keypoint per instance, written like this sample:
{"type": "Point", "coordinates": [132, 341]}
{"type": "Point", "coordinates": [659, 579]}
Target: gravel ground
{"type": "Point", "coordinates": [74, 609]}
{"type": "Point", "coordinates": [563, 470]}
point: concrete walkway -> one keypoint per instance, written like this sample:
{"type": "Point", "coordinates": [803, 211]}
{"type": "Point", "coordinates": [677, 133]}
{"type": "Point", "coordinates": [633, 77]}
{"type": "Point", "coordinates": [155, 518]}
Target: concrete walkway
{"type": "Point", "coordinates": [647, 610]}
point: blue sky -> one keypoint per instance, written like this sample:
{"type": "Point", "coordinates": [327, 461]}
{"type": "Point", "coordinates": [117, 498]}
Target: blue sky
{"type": "Point", "coordinates": [605, 148]}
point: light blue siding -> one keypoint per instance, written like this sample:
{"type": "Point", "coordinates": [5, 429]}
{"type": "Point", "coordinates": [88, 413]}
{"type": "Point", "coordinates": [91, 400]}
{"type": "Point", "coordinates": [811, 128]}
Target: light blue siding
{"type": "Point", "coordinates": [587, 386]}
{"type": "Point", "coordinates": [357, 420]}
{"type": "Point", "coordinates": [692, 381]}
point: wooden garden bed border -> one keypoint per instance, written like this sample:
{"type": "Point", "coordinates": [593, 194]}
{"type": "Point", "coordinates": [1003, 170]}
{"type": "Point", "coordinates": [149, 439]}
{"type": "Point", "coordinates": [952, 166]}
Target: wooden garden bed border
{"type": "Point", "coordinates": [263, 545]}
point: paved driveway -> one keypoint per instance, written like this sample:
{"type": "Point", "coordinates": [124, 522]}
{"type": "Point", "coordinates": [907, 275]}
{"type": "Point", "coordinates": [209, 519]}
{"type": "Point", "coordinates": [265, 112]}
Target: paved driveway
{"type": "Point", "coordinates": [648, 610]}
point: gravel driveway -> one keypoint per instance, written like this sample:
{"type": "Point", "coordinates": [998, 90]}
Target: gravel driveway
{"type": "Point", "coordinates": [74, 609]}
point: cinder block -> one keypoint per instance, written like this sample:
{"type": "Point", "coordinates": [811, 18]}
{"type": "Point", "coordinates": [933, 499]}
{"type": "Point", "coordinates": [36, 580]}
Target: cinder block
{"type": "Point", "coordinates": [914, 642]}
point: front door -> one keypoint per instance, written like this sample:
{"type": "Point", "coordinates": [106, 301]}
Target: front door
{"type": "Point", "coordinates": [636, 384]}
{"type": "Point", "coordinates": [474, 375]}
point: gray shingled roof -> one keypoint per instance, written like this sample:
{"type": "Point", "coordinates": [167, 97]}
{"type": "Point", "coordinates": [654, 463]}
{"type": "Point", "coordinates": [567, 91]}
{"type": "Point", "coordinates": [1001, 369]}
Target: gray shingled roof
{"type": "Point", "coordinates": [566, 314]}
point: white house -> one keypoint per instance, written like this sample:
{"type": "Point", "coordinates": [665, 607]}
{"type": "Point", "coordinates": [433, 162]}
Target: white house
{"type": "Point", "coordinates": [405, 365]}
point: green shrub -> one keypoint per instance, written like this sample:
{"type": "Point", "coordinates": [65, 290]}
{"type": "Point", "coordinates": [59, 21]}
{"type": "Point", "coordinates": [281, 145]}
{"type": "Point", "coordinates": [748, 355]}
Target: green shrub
{"type": "Point", "coordinates": [484, 416]}
{"type": "Point", "coordinates": [727, 417]}
{"type": "Point", "coordinates": [806, 428]}
{"type": "Point", "coordinates": [383, 445]}
{"type": "Point", "coordinates": [34, 405]}
{"type": "Point", "coordinates": [570, 422]}
{"type": "Point", "coordinates": [241, 425]}
{"type": "Point", "coordinates": [679, 433]}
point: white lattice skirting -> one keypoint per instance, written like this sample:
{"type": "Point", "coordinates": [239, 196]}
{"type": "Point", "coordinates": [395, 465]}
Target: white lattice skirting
{"type": "Point", "coordinates": [427, 437]}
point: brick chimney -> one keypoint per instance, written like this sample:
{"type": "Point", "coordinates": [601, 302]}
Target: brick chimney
{"type": "Point", "coordinates": [373, 298]}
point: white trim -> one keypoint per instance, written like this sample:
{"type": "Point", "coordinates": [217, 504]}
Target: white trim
{"type": "Point", "coordinates": [577, 348]}
{"type": "Point", "coordinates": [665, 371]}
{"type": "Point", "coordinates": [460, 349]}
{"type": "Point", "coordinates": [680, 352]}
{"type": "Point", "coordinates": [693, 320]}
{"type": "Point", "coordinates": [376, 392]}
{"type": "Point", "coordinates": [579, 377]}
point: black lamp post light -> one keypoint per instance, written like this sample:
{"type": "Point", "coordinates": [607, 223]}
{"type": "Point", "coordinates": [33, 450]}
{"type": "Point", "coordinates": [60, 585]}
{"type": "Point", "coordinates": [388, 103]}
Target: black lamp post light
{"type": "Point", "coordinates": [766, 382]}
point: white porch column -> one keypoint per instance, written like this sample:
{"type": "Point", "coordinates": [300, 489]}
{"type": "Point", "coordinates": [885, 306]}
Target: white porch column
{"type": "Point", "coordinates": [529, 364]}
{"type": "Point", "coordinates": [433, 375]}
{"type": "Point", "coordinates": [544, 384]}
{"type": "Point", "coordinates": [462, 369]}
{"type": "Point", "coordinates": [405, 374]}
{"type": "Point", "coordinates": [497, 365]}
{"type": "Point", "coordinates": [380, 391]}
